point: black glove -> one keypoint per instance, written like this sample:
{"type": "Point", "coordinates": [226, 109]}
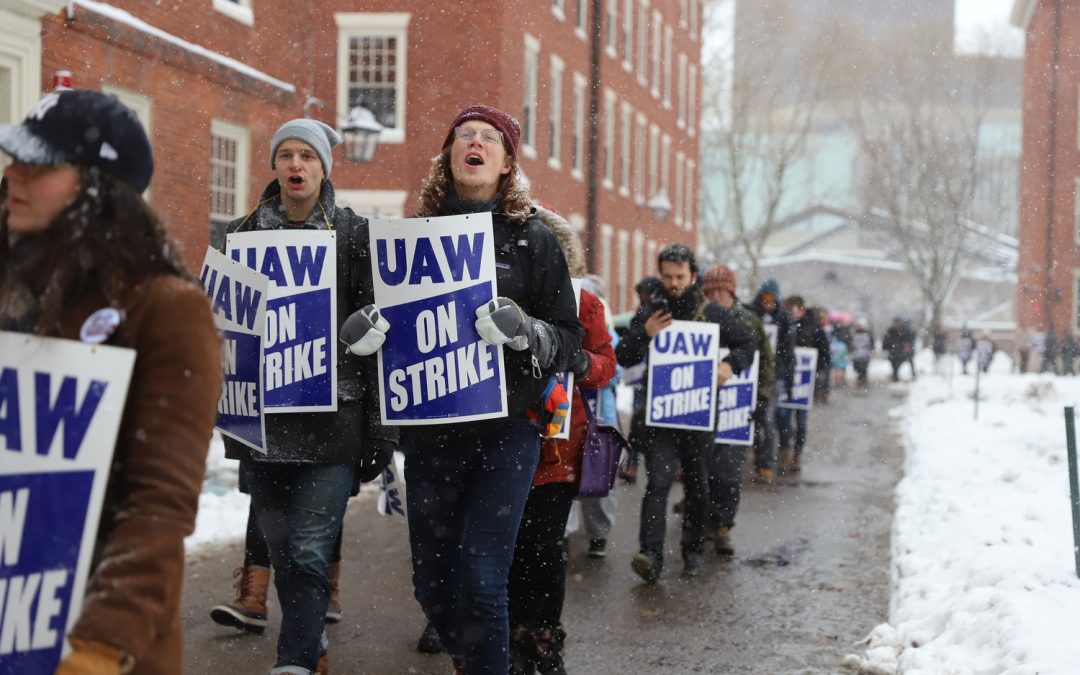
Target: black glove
{"type": "Point", "coordinates": [582, 364]}
{"type": "Point", "coordinates": [375, 459]}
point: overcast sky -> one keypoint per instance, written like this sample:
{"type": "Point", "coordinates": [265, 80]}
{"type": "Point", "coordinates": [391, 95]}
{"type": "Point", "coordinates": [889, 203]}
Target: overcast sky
{"type": "Point", "coordinates": [975, 18]}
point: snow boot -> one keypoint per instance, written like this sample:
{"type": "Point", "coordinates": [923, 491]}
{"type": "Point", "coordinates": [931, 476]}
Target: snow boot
{"type": "Point", "coordinates": [522, 651]}
{"type": "Point", "coordinates": [549, 651]}
{"type": "Point", "coordinates": [248, 611]}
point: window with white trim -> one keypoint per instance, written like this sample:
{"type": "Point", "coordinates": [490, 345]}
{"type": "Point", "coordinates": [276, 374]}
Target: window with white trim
{"type": "Point", "coordinates": [657, 31]}
{"type": "Point", "coordinates": [143, 107]}
{"type": "Point", "coordinates": [680, 169]}
{"type": "Point", "coordinates": [691, 181]}
{"type": "Point", "coordinates": [558, 9]}
{"type": "Point", "coordinates": [639, 160]}
{"type": "Point", "coordinates": [373, 203]}
{"type": "Point", "coordinates": [577, 132]}
{"type": "Point", "coordinates": [20, 66]}
{"type": "Point", "coordinates": [608, 147]}
{"type": "Point", "coordinates": [529, 111]}
{"type": "Point", "coordinates": [612, 35]}
{"type": "Point", "coordinates": [373, 69]}
{"type": "Point", "coordinates": [669, 40]}
{"type": "Point", "coordinates": [684, 12]}
{"type": "Point", "coordinates": [654, 159]}
{"type": "Point", "coordinates": [650, 256]}
{"type": "Point", "coordinates": [230, 160]}
{"type": "Point", "coordinates": [555, 113]}
{"type": "Point", "coordinates": [695, 12]}
{"type": "Point", "coordinates": [581, 18]}
{"type": "Point", "coordinates": [691, 101]}
{"type": "Point", "coordinates": [628, 36]}
{"type": "Point", "coordinates": [623, 274]}
{"type": "Point", "coordinates": [680, 118]}
{"type": "Point", "coordinates": [625, 156]}
{"type": "Point", "coordinates": [643, 43]}
{"type": "Point", "coordinates": [606, 232]}
{"type": "Point", "coordinates": [1076, 300]}
{"type": "Point", "coordinates": [238, 10]}
{"type": "Point", "coordinates": [665, 165]}
{"type": "Point", "coordinates": [1076, 210]}
{"type": "Point", "coordinates": [638, 270]}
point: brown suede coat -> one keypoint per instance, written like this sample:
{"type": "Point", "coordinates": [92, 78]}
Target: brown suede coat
{"type": "Point", "coordinates": [133, 595]}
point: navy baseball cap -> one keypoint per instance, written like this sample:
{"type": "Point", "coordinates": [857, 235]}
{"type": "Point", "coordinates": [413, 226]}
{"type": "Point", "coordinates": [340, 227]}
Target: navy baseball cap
{"type": "Point", "coordinates": [80, 126]}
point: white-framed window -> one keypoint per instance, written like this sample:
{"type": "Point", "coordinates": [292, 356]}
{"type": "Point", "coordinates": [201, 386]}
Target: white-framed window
{"type": "Point", "coordinates": [230, 161]}
{"type": "Point", "coordinates": [625, 156]}
{"type": "Point", "coordinates": [373, 203]}
{"type": "Point", "coordinates": [680, 170]}
{"type": "Point", "coordinates": [691, 181]}
{"type": "Point", "coordinates": [695, 10]}
{"type": "Point", "coordinates": [654, 159]}
{"type": "Point", "coordinates": [622, 275]}
{"type": "Point", "coordinates": [143, 107]}
{"type": "Point", "coordinates": [529, 111]}
{"type": "Point", "coordinates": [1076, 301]}
{"type": "Point", "coordinates": [643, 43]}
{"type": "Point", "coordinates": [20, 66]}
{"type": "Point", "coordinates": [558, 9]}
{"type": "Point", "coordinates": [612, 36]}
{"type": "Point", "coordinates": [638, 271]}
{"type": "Point", "coordinates": [577, 132]}
{"type": "Point", "coordinates": [684, 13]}
{"type": "Point", "coordinates": [651, 251]}
{"type": "Point", "coordinates": [606, 233]}
{"type": "Point", "coordinates": [239, 10]}
{"type": "Point", "coordinates": [608, 147]}
{"type": "Point", "coordinates": [581, 17]}
{"type": "Point", "coordinates": [1078, 116]}
{"type": "Point", "coordinates": [639, 160]}
{"type": "Point", "coordinates": [657, 31]}
{"type": "Point", "coordinates": [373, 68]}
{"type": "Point", "coordinates": [669, 40]}
{"type": "Point", "coordinates": [1076, 210]}
{"type": "Point", "coordinates": [628, 36]}
{"type": "Point", "coordinates": [665, 165]}
{"type": "Point", "coordinates": [691, 101]}
{"type": "Point", "coordinates": [680, 116]}
{"type": "Point", "coordinates": [555, 113]}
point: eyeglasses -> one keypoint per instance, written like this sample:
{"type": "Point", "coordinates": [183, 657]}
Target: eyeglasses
{"type": "Point", "coordinates": [490, 136]}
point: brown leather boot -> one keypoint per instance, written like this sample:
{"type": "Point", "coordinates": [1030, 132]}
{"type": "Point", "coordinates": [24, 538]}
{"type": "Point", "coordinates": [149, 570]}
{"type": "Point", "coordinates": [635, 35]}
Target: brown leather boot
{"type": "Point", "coordinates": [323, 668]}
{"type": "Point", "coordinates": [783, 465]}
{"type": "Point", "coordinates": [248, 611]}
{"type": "Point", "coordinates": [333, 606]}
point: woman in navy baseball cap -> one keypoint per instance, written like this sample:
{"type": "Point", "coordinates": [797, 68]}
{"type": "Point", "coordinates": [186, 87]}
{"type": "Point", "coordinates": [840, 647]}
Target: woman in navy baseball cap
{"type": "Point", "coordinates": [84, 257]}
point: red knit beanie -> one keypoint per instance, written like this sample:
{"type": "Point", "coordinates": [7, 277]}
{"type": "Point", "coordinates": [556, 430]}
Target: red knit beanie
{"type": "Point", "coordinates": [506, 124]}
{"type": "Point", "coordinates": [718, 277]}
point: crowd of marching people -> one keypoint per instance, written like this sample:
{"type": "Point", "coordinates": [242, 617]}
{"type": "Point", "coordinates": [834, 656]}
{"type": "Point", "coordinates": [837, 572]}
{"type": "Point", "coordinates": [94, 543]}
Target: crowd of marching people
{"type": "Point", "coordinates": [491, 501]}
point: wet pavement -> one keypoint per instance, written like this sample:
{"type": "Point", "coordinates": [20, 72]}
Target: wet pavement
{"type": "Point", "coordinates": [810, 577]}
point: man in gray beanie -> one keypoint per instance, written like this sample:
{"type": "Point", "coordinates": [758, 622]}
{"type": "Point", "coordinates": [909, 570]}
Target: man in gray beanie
{"type": "Point", "coordinates": [313, 460]}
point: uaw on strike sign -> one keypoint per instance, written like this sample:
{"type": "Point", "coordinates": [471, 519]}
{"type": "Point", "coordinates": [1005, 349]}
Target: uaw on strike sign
{"type": "Point", "coordinates": [300, 339]}
{"type": "Point", "coordinates": [60, 408]}
{"type": "Point", "coordinates": [430, 275]}
{"type": "Point", "coordinates": [682, 376]}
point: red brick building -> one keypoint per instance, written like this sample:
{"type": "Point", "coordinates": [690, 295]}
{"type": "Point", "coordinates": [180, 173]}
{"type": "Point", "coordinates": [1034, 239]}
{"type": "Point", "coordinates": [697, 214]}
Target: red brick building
{"type": "Point", "coordinates": [1048, 271]}
{"type": "Point", "coordinates": [213, 79]}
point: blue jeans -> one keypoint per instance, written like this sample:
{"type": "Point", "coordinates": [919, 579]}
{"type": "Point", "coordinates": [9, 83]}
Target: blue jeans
{"type": "Point", "coordinates": [783, 422]}
{"type": "Point", "coordinates": [299, 508]}
{"type": "Point", "coordinates": [466, 493]}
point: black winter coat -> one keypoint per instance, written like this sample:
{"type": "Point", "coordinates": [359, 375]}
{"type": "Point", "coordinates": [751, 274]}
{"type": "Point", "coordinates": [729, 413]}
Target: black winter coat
{"type": "Point", "coordinates": [784, 368]}
{"type": "Point", "coordinates": [353, 434]}
{"type": "Point", "coordinates": [633, 348]}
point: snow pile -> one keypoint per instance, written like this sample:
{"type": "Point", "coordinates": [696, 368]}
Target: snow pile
{"type": "Point", "coordinates": [983, 569]}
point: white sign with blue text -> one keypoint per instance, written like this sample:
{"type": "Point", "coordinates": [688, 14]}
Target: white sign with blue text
{"type": "Point", "coordinates": [300, 338]}
{"type": "Point", "coordinates": [682, 376]}
{"type": "Point", "coordinates": [238, 299]}
{"type": "Point", "coordinates": [802, 390]}
{"type": "Point", "coordinates": [735, 402]}
{"type": "Point", "coordinates": [430, 275]}
{"type": "Point", "coordinates": [60, 408]}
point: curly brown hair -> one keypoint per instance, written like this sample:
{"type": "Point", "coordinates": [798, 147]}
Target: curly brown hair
{"type": "Point", "coordinates": [514, 200]}
{"type": "Point", "coordinates": [107, 240]}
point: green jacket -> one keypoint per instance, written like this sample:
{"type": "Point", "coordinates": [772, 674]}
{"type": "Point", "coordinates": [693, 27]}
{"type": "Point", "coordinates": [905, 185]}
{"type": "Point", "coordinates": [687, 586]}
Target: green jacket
{"type": "Point", "coordinates": [749, 319]}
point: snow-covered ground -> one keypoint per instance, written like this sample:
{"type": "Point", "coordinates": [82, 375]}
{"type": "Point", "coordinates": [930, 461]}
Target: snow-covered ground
{"type": "Point", "coordinates": [984, 578]}
{"type": "Point", "coordinates": [983, 571]}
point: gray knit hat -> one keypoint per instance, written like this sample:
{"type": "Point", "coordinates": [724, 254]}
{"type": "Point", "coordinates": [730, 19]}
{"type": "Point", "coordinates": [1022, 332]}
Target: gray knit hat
{"type": "Point", "coordinates": [319, 136]}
